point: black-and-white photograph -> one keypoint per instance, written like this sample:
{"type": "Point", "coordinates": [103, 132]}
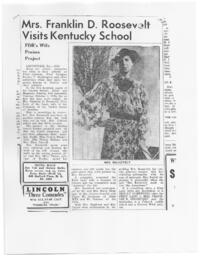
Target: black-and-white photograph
{"type": "Point", "coordinates": [116, 102]}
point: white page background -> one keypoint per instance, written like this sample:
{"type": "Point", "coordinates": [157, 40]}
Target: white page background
{"type": "Point", "coordinates": [118, 231]}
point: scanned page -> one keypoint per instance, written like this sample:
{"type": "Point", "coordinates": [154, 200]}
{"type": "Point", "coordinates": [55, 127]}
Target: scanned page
{"type": "Point", "coordinates": [98, 112]}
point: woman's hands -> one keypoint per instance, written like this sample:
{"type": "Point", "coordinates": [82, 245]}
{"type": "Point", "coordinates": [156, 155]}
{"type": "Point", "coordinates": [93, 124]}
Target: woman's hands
{"type": "Point", "coordinates": [108, 123]}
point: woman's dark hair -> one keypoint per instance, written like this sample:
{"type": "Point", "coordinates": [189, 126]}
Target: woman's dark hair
{"type": "Point", "coordinates": [126, 52]}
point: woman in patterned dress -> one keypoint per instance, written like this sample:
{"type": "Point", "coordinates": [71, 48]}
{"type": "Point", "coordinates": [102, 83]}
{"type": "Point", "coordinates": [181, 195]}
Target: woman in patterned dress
{"type": "Point", "coordinates": [125, 100]}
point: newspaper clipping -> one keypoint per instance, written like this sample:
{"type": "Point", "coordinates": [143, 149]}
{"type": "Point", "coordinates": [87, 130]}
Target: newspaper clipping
{"type": "Point", "coordinates": [96, 112]}
{"type": "Point", "coordinates": [100, 125]}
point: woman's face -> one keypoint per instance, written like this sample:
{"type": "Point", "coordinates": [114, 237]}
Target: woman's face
{"type": "Point", "coordinates": [125, 65]}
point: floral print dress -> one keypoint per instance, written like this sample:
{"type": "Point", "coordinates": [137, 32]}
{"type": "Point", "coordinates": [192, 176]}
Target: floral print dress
{"type": "Point", "coordinates": [125, 101]}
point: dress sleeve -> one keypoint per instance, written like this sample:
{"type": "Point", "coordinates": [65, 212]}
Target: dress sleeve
{"type": "Point", "coordinates": [91, 108]}
{"type": "Point", "coordinates": [142, 112]}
